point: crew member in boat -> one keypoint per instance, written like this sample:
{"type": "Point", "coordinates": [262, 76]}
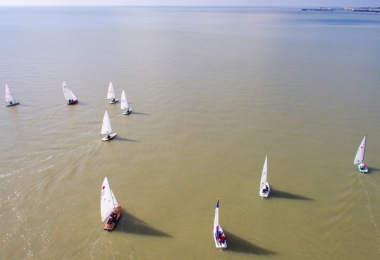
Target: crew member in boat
{"type": "Point", "coordinates": [113, 217]}
{"type": "Point", "coordinates": [222, 238]}
{"type": "Point", "coordinates": [265, 189]}
{"type": "Point", "coordinates": [113, 100]}
{"type": "Point", "coordinates": [363, 167]}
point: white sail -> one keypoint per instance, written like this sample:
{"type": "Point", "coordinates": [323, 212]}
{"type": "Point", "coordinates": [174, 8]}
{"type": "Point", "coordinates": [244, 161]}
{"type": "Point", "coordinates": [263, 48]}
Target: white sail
{"type": "Point", "coordinates": [359, 158]}
{"type": "Point", "coordinates": [124, 101]}
{"type": "Point", "coordinates": [216, 218]}
{"type": "Point", "coordinates": [264, 173]}
{"type": "Point", "coordinates": [8, 95]}
{"type": "Point", "coordinates": [111, 92]}
{"type": "Point", "coordinates": [67, 92]}
{"type": "Point", "coordinates": [107, 200]}
{"type": "Point", "coordinates": [106, 125]}
{"type": "Point", "coordinates": [72, 94]}
{"type": "Point", "coordinates": [114, 199]}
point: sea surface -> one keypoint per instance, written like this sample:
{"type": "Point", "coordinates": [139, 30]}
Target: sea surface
{"type": "Point", "coordinates": [213, 91]}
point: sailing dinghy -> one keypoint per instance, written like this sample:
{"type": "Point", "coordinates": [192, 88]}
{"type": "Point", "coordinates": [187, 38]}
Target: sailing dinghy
{"type": "Point", "coordinates": [69, 95]}
{"type": "Point", "coordinates": [107, 128]}
{"type": "Point", "coordinates": [110, 210]}
{"type": "Point", "coordinates": [124, 104]}
{"type": "Point", "coordinates": [359, 158]}
{"type": "Point", "coordinates": [264, 185]}
{"type": "Point", "coordinates": [111, 94]}
{"type": "Point", "coordinates": [218, 233]}
{"type": "Point", "coordinates": [9, 98]}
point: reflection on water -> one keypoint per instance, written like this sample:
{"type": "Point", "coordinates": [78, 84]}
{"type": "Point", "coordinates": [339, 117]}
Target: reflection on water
{"type": "Point", "coordinates": [14, 111]}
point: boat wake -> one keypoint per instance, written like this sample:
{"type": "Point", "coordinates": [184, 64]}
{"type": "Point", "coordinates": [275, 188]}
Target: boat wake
{"type": "Point", "coordinates": [371, 216]}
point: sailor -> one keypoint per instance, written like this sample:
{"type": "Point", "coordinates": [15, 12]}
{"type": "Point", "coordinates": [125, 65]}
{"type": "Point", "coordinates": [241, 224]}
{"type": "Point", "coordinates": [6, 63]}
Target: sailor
{"type": "Point", "coordinates": [108, 137]}
{"type": "Point", "coordinates": [221, 237]}
{"type": "Point", "coordinates": [114, 217]}
{"type": "Point", "coordinates": [10, 102]}
{"type": "Point", "coordinates": [113, 100]}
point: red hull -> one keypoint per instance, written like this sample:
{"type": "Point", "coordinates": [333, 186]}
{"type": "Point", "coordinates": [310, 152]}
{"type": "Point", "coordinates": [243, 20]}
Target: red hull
{"type": "Point", "coordinates": [73, 102]}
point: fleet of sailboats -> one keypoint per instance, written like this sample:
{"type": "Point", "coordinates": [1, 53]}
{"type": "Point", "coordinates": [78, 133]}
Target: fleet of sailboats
{"type": "Point", "coordinates": [218, 233]}
{"type": "Point", "coordinates": [109, 207]}
{"type": "Point", "coordinates": [69, 95]}
{"type": "Point", "coordinates": [107, 128]}
{"type": "Point", "coordinates": [110, 210]}
{"type": "Point", "coordinates": [111, 94]}
{"type": "Point", "coordinates": [124, 104]}
{"type": "Point", "coordinates": [359, 157]}
{"type": "Point", "coordinates": [264, 185]}
{"type": "Point", "coordinates": [9, 98]}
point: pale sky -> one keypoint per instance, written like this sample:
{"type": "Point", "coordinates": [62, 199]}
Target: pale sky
{"type": "Point", "coordinates": [315, 3]}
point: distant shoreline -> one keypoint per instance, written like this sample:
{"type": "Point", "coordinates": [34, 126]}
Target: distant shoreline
{"type": "Point", "coordinates": [350, 9]}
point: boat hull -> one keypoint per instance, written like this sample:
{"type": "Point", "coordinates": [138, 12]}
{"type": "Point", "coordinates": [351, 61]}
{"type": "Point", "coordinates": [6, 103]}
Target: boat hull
{"type": "Point", "coordinates": [111, 222]}
{"type": "Point", "coordinates": [360, 168]}
{"type": "Point", "coordinates": [127, 112]}
{"type": "Point", "coordinates": [218, 244]}
{"type": "Point", "coordinates": [13, 104]}
{"type": "Point", "coordinates": [72, 102]}
{"type": "Point", "coordinates": [263, 193]}
{"type": "Point", "coordinates": [113, 102]}
{"type": "Point", "coordinates": [112, 136]}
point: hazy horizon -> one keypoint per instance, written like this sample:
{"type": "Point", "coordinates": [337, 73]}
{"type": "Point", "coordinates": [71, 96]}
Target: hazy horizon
{"type": "Point", "coordinates": [292, 3]}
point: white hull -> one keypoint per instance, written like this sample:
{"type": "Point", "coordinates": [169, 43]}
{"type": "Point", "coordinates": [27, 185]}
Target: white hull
{"type": "Point", "coordinates": [218, 244]}
{"type": "Point", "coordinates": [217, 232]}
{"type": "Point", "coordinates": [112, 136]}
{"type": "Point", "coordinates": [362, 168]}
{"type": "Point", "coordinates": [13, 104]}
{"type": "Point", "coordinates": [264, 193]}
{"type": "Point", "coordinates": [127, 112]}
{"type": "Point", "coordinates": [113, 102]}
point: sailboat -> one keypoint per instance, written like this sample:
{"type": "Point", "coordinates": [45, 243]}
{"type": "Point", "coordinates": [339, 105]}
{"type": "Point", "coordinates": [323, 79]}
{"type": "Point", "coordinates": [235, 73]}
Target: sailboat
{"type": "Point", "coordinates": [124, 104]}
{"type": "Point", "coordinates": [69, 95]}
{"type": "Point", "coordinates": [9, 98]}
{"type": "Point", "coordinates": [359, 158]}
{"type": "Point", "coordinates": [111, 94]}
{"type": "Point", "coordinates": [110, 210]}
{"type": "Point", "coordinates": [218, 233]}
{"type": "Point", "coordinates": [264, 185]}
{"type": "Point", "coordinates": [107, 128]}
